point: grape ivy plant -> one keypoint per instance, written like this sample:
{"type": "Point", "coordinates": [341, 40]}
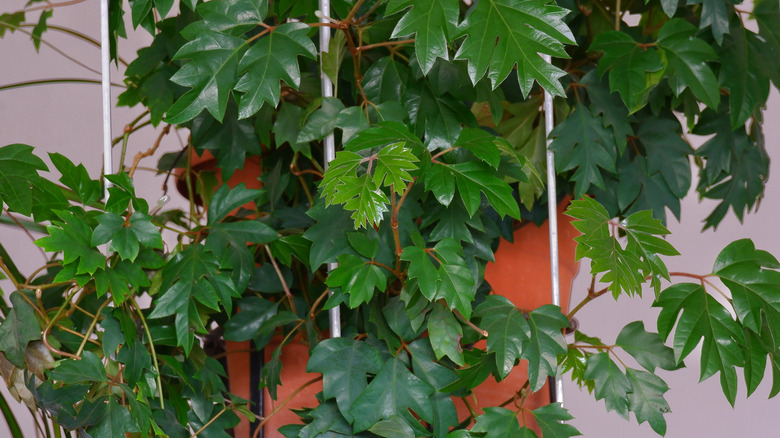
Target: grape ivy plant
{"type": "Point", "coordinates": [436, 115]}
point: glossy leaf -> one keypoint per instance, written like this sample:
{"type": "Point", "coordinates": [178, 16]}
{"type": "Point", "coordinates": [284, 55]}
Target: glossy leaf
{"type": "Point", "coordinates": [500, 423]}
{"type": "Point", "coordinates": [272, 58]}
{"type": "Point", "coordinates": [702, 318]}
{"type": "Point", "coordinates": [445, 333]}
{"type": "Point", "coordinates": [87, 369]}
{"type": "Point", "coordinates": [646, 399]}
{"type": "Point", "coordinates": [508, 331]}
{"type": "Point", "coordinates": [611, 384]}
{"type": "Point", "coordinates": [431, 23]}
{"type": "Point", "coordinates": [546, 342]}
{"type": "Point", "coordinates": [395, 391]}
{"type": "Point", "coordinates": [552, 420]}
{"type": "Point", "coordinates": [647, 348]}
{"type": "Point", "coordinates": [494, 44]}
{"type": "Point", "coordinates": [72, 236]}
{"type": "Point", "coordinates": [687, 58]}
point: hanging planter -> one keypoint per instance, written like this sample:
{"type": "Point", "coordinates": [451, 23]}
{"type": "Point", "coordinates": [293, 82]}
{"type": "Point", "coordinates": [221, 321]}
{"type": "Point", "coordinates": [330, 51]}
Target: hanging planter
{"type": "Point", "coordinates": [521, 273]}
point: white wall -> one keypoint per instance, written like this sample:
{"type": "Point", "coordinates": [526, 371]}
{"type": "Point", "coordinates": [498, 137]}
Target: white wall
{"type": "Point", "coordinates": [67, 118]}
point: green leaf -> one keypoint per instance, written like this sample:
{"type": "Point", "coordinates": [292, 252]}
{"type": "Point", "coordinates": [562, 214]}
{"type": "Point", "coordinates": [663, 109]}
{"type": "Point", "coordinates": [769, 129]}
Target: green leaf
{"type": "Point", "coordinates": [212, 74]}
{"type": "Point", "coordinates": [495, 44]}
{"type": "Point", "coordinates": [610, 383]}
{"type": "Point", "coordinates": [358, 279]}
{"type": "Point", "coordinates": [116, 423]}
{"type": "Point", "coordinates": [247, 323]}
{"type": "Point", "coordinates": [457, 285]}
{"type": "Point", "coordinates": [227, 199]}
{"type": "Point", "coordinates": [625, 266]}
{"type": "Point", "coordinates": [508, 331]}
{"type": "Point", "coordinates": [474, 178]}
{"type": "Point", "coordinates": [87, 369]}
{"type": "Point", "coordinates": [17, 329]}
{"type": "Point", "coordinates": [702, 317]}
{"type": "Point", "coordinates": [667, 153]}
{"type": "Point", "coordinates": [363, 196]}
{"type": "Point", "coordinates": [136, 359]}
{"type": "Point", "coordinates": [422, 268]}
{"type": "Point", "coordinates": [322, 121]}
{"type": "Point", "coordinates": [438, 118]}
{"type": "Point", "coordinates": [364, 245]}
{"type": "Point", "coordinates": [715, 14]}
{"type": "Point", "coordinates": [272, 58]}
{"type": "Point", "coordinates": [344, 364]}
{"type": "Point", "coordinates": [482, 144]}
{"type": "Point", "coordinates": [647, 348]}
{"type": "Point", "coordinates": [393, 164]}
{"type": "Point", "coordinates": [582, 142]}
{"type": "Point", "coordinates": [767, 14]}
{"type": "Point", "coordinates": [607, 104]}
{"type": "Point", "coordinates": [552, 420]}
{"type": "Point", "coordinates": [18, 171]}
{"type": "Point", "coordinates": [686, 58]}
{"type": "Point", "coordinates": [743, 74]}
{"type": "Point", "coordinates": [736, 167]}
{"type": "Point", "coordinates": [426, 368]}
{"type": "Point", "coordinates": [10, 22]}
{"type": "Point", "coordinates": [546, 343]}
{"type": "Point", "coordinates": [385, 81]}
{"type": "Point", "coordinates": [394, 391]}
{"type": "Point", "coordinates": [72, 236]}
{"type": "Point", "coordinates": [76, 178]}
{"type": "Point", "coordinates": [431, 23]}
{"type": "Point", "coordinates": [394, 426]}
{"type": "Point", "coordinates": [646, 399]}
{"type": "Point", "coordinates": [629, 64]}
{"type": "Point", "coordinates": [126, 235]}
{"type": "Point", "coordinates": [445, 333]}
{"type": "Point", "coordinates": [40, 28]}
{"type": "Point", "coordinates": [755, 290]}
{"type": "Point", "coordinates": [499, 423]}
{"type": "Point", "coordinates": [232, 142]}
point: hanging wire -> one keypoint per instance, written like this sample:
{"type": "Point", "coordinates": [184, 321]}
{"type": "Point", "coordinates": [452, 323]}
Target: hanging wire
{"type": "Point", "coordinates": [105, 77]}
{"type": "Point", "coordinates": [552, 209]}
{"type": "Point", "coordinates": [334, 313]}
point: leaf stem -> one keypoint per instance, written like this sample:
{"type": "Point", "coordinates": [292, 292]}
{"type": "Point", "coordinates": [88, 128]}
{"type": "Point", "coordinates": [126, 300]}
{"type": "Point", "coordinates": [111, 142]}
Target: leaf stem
{"type": "Point", "coordinates": [284, 403]}
{"type": "Point", "coordinates": [383, 44]}
{"type": "Point", "coordinates": [53, 5]}
{"type": "Point", "coordinates": [470, 324]}
{"type": "Point", "coordinates": [590, 297]}
{"type": "Point", "coordinates": [149, 152]}
{"type": "Point", "coordinates": [208, 423]}
{"type": "Point", "coordinates": [156, 363]}
{"type": "Point", "coordinates": [55, 81]}
{"type": "Point", "coordinates": [91, 328]}
{"type": "Point", "coordinates": [281, 279]}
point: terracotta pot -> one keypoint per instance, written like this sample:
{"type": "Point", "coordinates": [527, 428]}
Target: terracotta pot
{"type": "Point", "coordinates": [521, 273]}
{"type": "Point", "coordinates": [239, 359]}
{"type": "Point", "coordinates": [200, 165]}
{"type": "Point", "coordinates": [295, 356]}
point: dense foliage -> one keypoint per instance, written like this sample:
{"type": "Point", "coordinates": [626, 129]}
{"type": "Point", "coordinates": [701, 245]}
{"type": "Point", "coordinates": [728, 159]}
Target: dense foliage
{"type": "Point", "coordinates": [436, 115]}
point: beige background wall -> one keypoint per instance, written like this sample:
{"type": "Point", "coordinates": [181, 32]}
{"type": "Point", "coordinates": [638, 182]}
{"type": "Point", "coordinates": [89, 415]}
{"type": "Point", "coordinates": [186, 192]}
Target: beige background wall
{"type": "Point", "coordinates": [66, 118]}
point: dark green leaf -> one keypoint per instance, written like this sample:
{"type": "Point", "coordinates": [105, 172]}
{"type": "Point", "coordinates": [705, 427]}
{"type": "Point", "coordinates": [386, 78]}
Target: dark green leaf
{"type": "Point", "coordinates": [687, 58]}
{"type": "Point", "coordinates": [702, 317]}
{"type": "Point", "coordinates": [72, 237]}
{"type": "Point", "coordinates": [431, 23]}
{"type": "Point", "coordinates": [508, 331]}
{"type": "Point", "coordinates": [394, 426]}
{"type": "Point", "coordinates": [18, 328]}
{"type": "Point", "coordinates": [582, 142]}
{"type": "Point", "coordinates": [552, 420]}
{"type": "Point", "coordinates": [272, 58]}
{"type": "Point", "coordinates": [87, 369]}
{"type": "Point", "coordinates": [610, 383]}
{"type": "Point", "coordinates": [546, 343]}
{"type": "Point", "coordinates": [667, 153]}
{"type": "Point", "coordinates": [116, 423]}
{"type": "Point", "coordinates": [445, 333]}
{"type": "Point", "coordinates": [344, 364]}
{"type": "Point", "coordinates": [628, 64]}
{"type": "Point", "coordinates": [40, 28]}
{"type": "Point", "coordinates": [18, 172]}
{"type": "Point", "coordinates": [647, 348]}
{"type": "Point", "coordinates": [76, 178]}
{"type": "Point", "coordinates": [322, 121]}
{"type": "Point", "coordinates": [358, 279]}
{"type": "Point", "coordinates": [495, 44]}
{"type": "Point", "coordinates": [394, 391]}
{"type": "Point", "coordinates": [646, 399]}
{"type": "Point", "coordinates": [499, 423]}
{"type": "Point", "coordinates": [227, 199]}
